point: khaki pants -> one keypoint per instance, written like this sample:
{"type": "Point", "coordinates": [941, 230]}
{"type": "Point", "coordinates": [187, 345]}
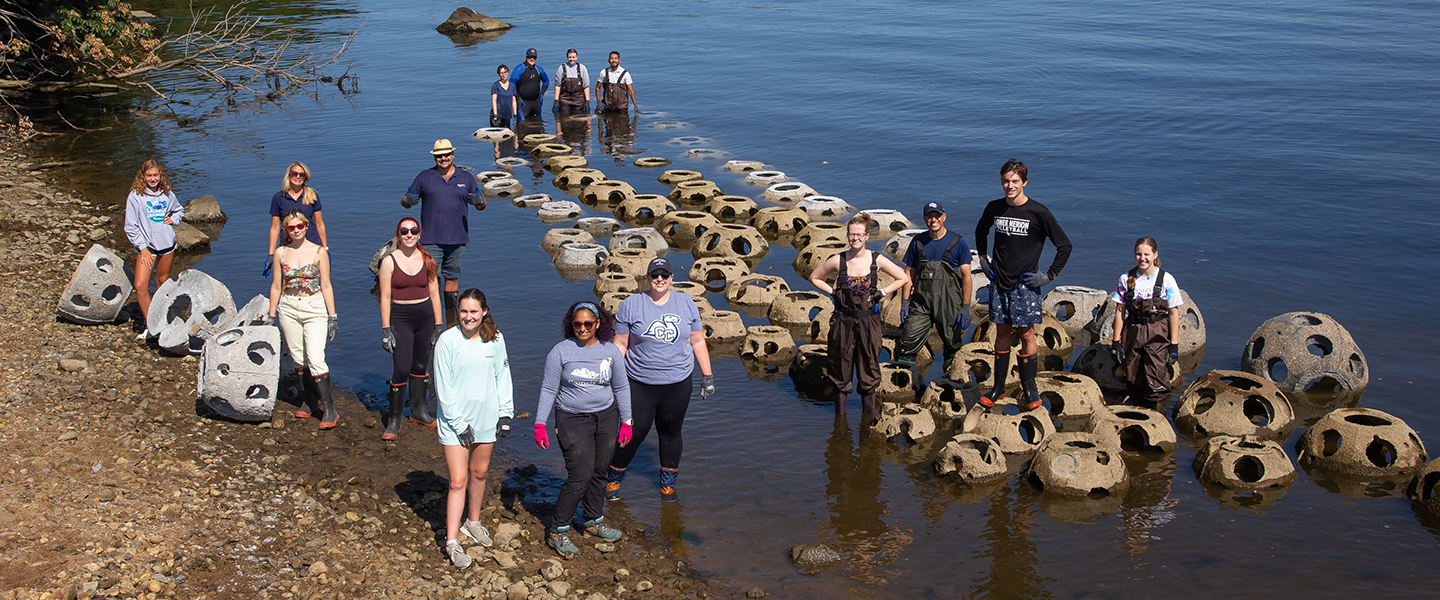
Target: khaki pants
{"type": "Point", "coordinates": [304, 324]}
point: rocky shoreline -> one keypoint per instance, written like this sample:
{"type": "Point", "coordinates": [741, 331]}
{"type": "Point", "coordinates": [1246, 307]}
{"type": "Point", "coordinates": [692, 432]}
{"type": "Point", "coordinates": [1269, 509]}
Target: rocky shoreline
{"type": "Point", "coordinates": [115, 486]}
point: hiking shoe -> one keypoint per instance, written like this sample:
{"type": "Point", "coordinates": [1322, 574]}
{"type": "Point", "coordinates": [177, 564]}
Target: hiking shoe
{"type": "Point", "coordinates": [477, 532]}
{"type": "Point", "coordinates": [559, 539]}
{"type": "Point", "coordinates": [598, 528]}
{"type": "Point", "coordinates": [612, 490]}
{"type": "Point", "coordinates": [458, 557]}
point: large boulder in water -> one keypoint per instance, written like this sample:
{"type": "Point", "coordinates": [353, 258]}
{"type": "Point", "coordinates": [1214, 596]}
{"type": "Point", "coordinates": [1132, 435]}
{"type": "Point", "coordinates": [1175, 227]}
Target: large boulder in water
{"type": "Point", "coordinates": [204, 209]}
{"type": "Point", "coordinates": [464, 20]}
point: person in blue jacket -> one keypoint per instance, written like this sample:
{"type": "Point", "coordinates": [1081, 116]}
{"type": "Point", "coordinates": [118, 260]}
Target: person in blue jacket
{"type": "Point", "coordinates": [531, 83]}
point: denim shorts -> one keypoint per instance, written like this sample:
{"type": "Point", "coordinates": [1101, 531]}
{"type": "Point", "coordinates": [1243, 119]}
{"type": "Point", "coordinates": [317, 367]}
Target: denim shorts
{"type": "Point", "coordinates": [447, 257]}
{"type": "Point", "coordinates": [1019, 307]}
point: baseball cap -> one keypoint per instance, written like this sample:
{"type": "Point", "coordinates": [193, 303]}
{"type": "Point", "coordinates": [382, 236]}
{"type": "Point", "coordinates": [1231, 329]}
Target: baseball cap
{"type": "Point", "coordinates": [529, 53]}
{"type": "Point", "coordinates": [932, 207]}
{"type": "Point", "coordinates": [659, 264]}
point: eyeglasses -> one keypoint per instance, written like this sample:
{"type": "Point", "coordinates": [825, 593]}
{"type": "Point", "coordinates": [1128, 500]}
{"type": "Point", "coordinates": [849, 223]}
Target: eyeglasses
{"type": "Point", "coordinates": [409, 231]}
{"type": "Point", "coordinates": [300, 174]}
{"type": "Point", "coordinates": [297, 227]}
{"type": "Point", "coordinates": [445, 155]}
{"type": "Point", "coordinates": [583, 324]}
{"type": "Point", "coordinates": [659, 275]}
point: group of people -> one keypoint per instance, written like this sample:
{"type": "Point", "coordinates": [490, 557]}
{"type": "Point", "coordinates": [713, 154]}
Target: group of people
{"type": "Point", "coordinates": [615, 377]}
{"type": "Point", "coordinates": [520, 92]}
{"type": "Point", "coordinates": [936, 289]}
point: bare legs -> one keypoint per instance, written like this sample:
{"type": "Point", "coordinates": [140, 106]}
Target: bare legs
{"type": "Point", "coordinates": [145, 264]}
{"type": "Point", "coordinates": [468, 469]}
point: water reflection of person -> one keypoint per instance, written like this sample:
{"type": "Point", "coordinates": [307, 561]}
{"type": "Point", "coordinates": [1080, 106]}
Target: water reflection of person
{"type": "Point", "coordinates": [616, 134]}
{"type": "Point", "coordinates": [1011, 553]}
{"type": "Point", "coordinates": [852, 474]}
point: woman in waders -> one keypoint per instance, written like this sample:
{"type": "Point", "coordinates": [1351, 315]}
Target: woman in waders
{"type": "Point", "coordinates": [854, 341]}
{"type": "Point", "coordinates": [572, 93]}
{"type": "Point", "coordinates": [1147, 325]}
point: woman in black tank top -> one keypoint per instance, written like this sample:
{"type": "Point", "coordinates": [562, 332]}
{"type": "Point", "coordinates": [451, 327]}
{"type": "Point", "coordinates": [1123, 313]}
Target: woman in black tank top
{"type": "Point", "coordinates": [409, 321]}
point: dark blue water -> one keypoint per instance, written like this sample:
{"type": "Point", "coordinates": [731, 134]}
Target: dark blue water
{"type": "Point", "coordinates": [1282, 153]}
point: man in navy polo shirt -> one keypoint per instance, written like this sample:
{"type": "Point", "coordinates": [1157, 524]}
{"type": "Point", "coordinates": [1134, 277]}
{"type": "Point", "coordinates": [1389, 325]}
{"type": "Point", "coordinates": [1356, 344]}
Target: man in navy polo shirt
{"type": "Point", "coordinates": [444, 193]}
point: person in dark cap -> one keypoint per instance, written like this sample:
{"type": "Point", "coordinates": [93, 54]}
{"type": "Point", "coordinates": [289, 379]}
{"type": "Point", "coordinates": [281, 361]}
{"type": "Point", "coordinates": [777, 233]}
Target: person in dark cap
{"type": "Point", "coordinates": [1021, 227]}
{"type": "Point", "coordinates": [939, 292]}
{"type": "Point", "coordinates": [660, 333]}
{"type": "Point", "coordinates": [531, 83]}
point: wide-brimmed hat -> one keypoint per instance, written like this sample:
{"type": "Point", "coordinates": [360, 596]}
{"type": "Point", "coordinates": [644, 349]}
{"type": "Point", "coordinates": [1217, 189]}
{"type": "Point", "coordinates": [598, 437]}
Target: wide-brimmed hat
{"type": "Point", "coordinates": [442, 147]}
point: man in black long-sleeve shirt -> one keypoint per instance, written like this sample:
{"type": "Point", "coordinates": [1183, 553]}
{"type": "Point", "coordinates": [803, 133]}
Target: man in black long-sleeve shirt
{"type": "Point", "coordinates": [1021, 226]}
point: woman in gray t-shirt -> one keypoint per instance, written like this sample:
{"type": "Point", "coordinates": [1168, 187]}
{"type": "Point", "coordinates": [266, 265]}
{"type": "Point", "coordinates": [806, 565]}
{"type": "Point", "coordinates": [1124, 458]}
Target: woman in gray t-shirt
{"type": "Point", "coordinates": [585, 383]}
{"type": "Point", "coordinates": [659, 331]}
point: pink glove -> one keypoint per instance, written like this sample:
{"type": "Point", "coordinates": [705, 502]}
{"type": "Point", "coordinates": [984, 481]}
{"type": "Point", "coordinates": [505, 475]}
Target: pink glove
{"type": "Point", "coordinates": [625, 434]}
{"type": "Point", "coordinates": [542, 439]}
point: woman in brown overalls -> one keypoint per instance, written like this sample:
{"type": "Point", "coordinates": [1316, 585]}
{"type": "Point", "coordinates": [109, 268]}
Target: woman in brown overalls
{"type": "Point", "coordinates": [1147, 325]}
{"type": "Point", "coordinates": [854, 340]}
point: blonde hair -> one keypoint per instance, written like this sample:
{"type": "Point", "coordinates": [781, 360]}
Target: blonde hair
{"type": "Point", "coordinates": [308, 197]}
{"type": "Point", "coordinates": [138, 186]}
{"type": "Point", "coordinates": [1154, 247]}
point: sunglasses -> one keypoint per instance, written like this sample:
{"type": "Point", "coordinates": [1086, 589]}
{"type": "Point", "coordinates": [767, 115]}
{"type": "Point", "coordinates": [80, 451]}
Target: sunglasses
{"type": "Point", "coordinates": [409, 231]}
{"type": "Point", "coordinates": [297, 227]}
{"type": "Point", "coordinates": [659, 275]}
{"type": "Point", "coordinates": [446, 155]}
{"type": "Point", "coordinates": [297, 173]}
{"type": "Point", "coordinates": [583, 324]}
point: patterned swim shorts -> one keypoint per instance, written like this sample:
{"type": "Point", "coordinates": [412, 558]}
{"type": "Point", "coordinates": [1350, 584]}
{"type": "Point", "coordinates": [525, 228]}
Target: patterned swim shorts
{"type": "Point", "coordinates": [1019, 307]}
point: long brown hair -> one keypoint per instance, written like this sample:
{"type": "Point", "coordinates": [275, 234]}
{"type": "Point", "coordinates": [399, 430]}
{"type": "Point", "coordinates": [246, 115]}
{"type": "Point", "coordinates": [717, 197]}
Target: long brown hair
{"type": "Point", "coordinates": [1154, 247]}
{"type": "Point", "coordinates": [138, 186]}
{"type": "Point", "coordinates": [488, 329]}
{"type": "Point", "coordinates": [431, 270]}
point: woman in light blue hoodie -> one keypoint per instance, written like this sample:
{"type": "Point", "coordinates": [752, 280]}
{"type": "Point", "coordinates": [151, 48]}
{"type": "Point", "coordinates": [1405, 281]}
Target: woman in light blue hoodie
{"type": "Point", "coordinates": [151, 213]}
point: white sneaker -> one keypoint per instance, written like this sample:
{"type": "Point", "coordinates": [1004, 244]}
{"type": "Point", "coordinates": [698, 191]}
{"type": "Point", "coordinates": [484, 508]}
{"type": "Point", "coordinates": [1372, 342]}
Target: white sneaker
{"type": "Point", "coordinates": [458, 557]}
{"type": "Point", "coordinates": [477, 532]}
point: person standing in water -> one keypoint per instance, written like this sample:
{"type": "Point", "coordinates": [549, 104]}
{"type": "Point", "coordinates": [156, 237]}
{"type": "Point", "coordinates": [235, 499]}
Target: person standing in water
{"type": "Point", "coordinates": [502, 99]}
{"type": "Point", "coordinates": [854, 340]}
{"type": "Point", "coordinates": [1147, 325]}
{"type": "Point", "coordinates": [938, 293]}
{"type": "Point", "coordinates": [1021, 228]}
{"type": "Point", "coordinates": [614, 88]}
{"type": "Point", "coordinates": [572, 93]}
{"type": "Point", "coordinates": [151, 212]}
{"type": "Point", "coordinates": [444, 194]}
{"type": "Point", "coordinates": [530, 83]}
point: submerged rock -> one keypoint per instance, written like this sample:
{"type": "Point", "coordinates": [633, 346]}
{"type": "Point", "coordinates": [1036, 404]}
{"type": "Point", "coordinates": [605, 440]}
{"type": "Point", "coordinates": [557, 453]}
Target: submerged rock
{"type": "Point", "coordinates": [811, 557]}
{"type": "Point", "coordinates": [464, 20]}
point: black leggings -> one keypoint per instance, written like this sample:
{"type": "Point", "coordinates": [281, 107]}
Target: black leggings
{"type": "Point", "coordinates": [413, 325]}
{"type": "Point", "coordinates": [588, 442]}
{"type": "Point", "coordinates": [664, 406]}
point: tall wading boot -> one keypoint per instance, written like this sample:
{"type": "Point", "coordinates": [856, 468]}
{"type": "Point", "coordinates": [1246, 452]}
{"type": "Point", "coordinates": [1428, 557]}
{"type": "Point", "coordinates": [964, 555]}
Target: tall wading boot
{"type": "Point", "coordinates": [419, 412]}
{"type": "Point", "coordinates": [840, 398]}
{"type": "Point", "coordinates": [667, 484]}
{"type": "Point", "coordinates": [1002, 370]}
{"type": "Point", "coordinates": [305, 397]}
{"type": "Point", "coordinates": [327, 401]}
{"type": "Point", "coordinates": [397, 412]}
{"type": "Point", "coordinates": [867, 403]}
{"type": "Point", "coordinates": [452, 306]}
{"type": "Point", "coordinates": [613, 477]}
{"type": "Point", "coordinates": [1028, 366]}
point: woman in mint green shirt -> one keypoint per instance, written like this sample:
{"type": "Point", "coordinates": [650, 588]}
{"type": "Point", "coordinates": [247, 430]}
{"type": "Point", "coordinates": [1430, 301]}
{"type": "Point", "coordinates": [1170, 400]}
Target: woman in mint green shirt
{"type": "Point", "coordinates": [472, 381]}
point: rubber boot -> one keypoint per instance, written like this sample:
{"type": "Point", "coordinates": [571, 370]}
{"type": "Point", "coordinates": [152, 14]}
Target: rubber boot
{"type": "Point", "coordinates": [1002, 370]}
{"type": "Point", "coordinates": [867, 403]}
{"type": "Point", "coordinates": [452, 306]}
{"type": "Point", "coordinates": [840, 398]}
{"type": "Point", "coordinates": [419, 412]}
{"type": "Point", "coordinates": [327, 401]}
{"type": "Point", "coordinates": [397, 412]}
{"type": "Point", "coordinates": [306, 398]}
{"type": "Point", "coordinates": [613, 477]}
{"type": "Point", "coordinates": [667, 484]}
{"type": "Point", "coordinates": [1028, 366]}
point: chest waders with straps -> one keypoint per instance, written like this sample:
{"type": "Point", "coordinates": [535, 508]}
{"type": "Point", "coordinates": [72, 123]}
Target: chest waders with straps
{"type": "Point", "coordinates": [572, 89]}
{"type": "Point", "coordinates": [854, 340]}
{"type": "Point", "coordinates": [1146, 339]}
{"type": "Point", "coordinates": [935, 302]}
{"type": "Point", "coordinates": [612, 92]}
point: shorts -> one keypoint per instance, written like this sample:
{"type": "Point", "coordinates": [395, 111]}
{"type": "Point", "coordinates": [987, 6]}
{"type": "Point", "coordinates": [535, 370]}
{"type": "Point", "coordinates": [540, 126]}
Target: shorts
{"type": "Point", "coordinates": [447, 257]}
{"type": "Point", "coordinates": [1019, 307]}
{"type": "Point", "coordinates": [159, 253]}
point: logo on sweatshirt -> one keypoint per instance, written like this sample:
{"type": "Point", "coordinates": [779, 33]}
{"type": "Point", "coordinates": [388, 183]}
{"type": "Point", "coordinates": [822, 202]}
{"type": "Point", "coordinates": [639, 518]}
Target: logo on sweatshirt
{"type": "Point", "coordinates": [664, 329]}
{"type": "Point", "coordinates": [583, 377]}
{"type": "Point", "coordinates": [155, 209]}
{"type": "Point", "coordinates": [1012, 226]}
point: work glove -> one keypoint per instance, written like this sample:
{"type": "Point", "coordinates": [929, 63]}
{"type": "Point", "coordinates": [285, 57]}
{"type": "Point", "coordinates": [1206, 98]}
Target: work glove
{"type": "Point", "coordinates": [964, 317]}
{"type": "Point", "coordinates": [502, 427]}
{"type": "Point", "coordinates": [268, 321]}
{"type": "Point", "coordinates": [985, 267]}
{"type": "Point", "coordinates": [435, 337]}
{"type": "Point", "coordinates": [542, 438]}
{"type": "Point", "coordinates": [1173, 356]}
{"type": "Point", "coordinates": [387, 339]}
{"type": "Point", "coordinates": [1118, 352]}
{"type": "Point", "coordinates": [904, 309]}
{"type": "Point", "coordinates": [467, 439]}
{"type": "Point", "coordinates": [409, 200]}
{"type": "Point", "coordinates": [476, 199]}
{"type": "Point", "coordinates": [1035, 279]}
{"type": "Point", "coordinates": [625, 433]}
{"type": "Point", "coordinates": [707, 386]}
{"type": "Point", "coordinates": [269, 263]}
{"type": "Point", "coordinates": [332, 327]}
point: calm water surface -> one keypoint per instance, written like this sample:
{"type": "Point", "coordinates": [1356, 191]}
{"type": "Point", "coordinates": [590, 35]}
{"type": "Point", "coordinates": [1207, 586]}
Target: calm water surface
{"type": "Point", "coordinates": [1283, 154]}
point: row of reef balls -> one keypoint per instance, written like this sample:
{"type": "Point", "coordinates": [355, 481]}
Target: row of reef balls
{"type": "Point", "coordinates": [1074, 444]}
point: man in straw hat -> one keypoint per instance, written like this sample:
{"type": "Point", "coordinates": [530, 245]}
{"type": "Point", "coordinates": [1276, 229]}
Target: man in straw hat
{"type": "Point", "coordinates": [443, 194]}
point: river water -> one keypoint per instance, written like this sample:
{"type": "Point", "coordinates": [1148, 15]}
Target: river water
{"type": "Point", "coordinates": [1283, 154]}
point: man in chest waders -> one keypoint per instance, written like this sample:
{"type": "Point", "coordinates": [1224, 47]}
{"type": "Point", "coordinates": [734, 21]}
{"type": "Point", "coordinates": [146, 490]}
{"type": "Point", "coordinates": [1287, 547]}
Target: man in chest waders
{"type": "Point", "coordinates": [530, 82]}
{"type": "Point", "coordinates": [854, 340]}
{"type": "Point", "coordinates": [1021, 227]}
{"type": "Point", "coordinates": [573, 91]}
{"type": "Point", "coordinates": [938, 295]}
